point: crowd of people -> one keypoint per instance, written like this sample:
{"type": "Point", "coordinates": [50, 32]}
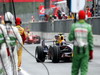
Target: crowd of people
{"type": "Point", "coordinates": [63, 16]}
{"type": "Point", "coordinates": [59, 16]}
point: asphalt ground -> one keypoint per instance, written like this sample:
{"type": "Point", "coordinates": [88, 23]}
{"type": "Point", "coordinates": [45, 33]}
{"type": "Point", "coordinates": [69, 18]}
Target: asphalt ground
{"type": "Point", "coordinates": [31, 67]}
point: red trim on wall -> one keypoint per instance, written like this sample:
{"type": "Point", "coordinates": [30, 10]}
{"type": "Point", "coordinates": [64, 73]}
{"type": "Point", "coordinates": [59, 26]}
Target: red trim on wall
{"type": "Point", "coordinates": [27, 0]}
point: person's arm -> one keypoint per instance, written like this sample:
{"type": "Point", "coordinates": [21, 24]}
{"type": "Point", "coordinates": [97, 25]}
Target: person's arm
{"type": "Point", "coordinates": [23, 36]}
{"type": "Point", "coordinates": [4, 31]}
{"type": "Point", "coordinates": [18, 35]}
{"type": "Point", "coordinates": [6, 37]}
{"type": "Point", "coordinates": [90, 38]}
{"type": "Point", "coordinates": [71, 36]}
{"type": "Point", "coordinates": [90, 42]}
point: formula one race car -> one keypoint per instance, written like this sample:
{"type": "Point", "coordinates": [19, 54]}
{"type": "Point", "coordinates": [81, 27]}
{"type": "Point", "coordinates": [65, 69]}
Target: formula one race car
{"type": "Point", "coordinates": [54, 52]}
{"type": "Point", "coordinates": [36, 39]}
{"type": "Point", "coordinates": [32, 38]}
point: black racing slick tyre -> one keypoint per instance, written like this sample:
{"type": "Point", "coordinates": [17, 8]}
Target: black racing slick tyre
{"type": "Point", "coordinates": [39, 54]}
{"type": "Point", "coordinates": [55, 54]}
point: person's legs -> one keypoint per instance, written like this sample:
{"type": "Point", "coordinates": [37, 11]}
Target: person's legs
{"type": "Point", "coordinates": [15, 60]}
{"type": "Point", "coordinates": [84, 65]}
{"type": "Point", "coordinates": [19, 53]}
{"type": "Point", "coordinates": [75, 66]}
{"type": "Point", "coordinates": [6, 61]}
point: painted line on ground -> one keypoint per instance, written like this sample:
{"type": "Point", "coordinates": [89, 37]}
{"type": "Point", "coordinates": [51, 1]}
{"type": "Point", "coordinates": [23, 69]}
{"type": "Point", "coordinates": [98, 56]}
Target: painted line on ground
{"type": "Point", "coordinates": [23, 72]}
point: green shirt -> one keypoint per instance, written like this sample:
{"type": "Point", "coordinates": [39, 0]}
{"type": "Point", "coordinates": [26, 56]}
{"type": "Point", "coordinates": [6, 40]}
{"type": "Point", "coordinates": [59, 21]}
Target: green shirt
{"type": "Point", "coordinates": [81, 32]}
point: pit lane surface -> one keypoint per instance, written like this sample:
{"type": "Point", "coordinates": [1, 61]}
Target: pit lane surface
{"type": "Point", "coordinates": [31, 67]}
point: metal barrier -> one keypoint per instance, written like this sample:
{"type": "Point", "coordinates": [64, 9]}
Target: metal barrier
{"type": "Point", "coordinates": [95, 22]}
{"type": "Point", "coordinates": [61, 26]}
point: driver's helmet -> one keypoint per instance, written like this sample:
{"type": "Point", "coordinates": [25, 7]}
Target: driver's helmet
{"type": "Point", "coordinates": [61, 37]}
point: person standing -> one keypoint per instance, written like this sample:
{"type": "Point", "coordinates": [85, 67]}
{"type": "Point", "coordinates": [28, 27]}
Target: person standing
{"type": "Point", "coordinates": [23, 36]}
{"type": "Point", "coordinates": [81, 34]}
{"type": "Point", "coordinates": [5, 64]}
{"type": "Point", "coordinates": [15, 39]}
{"type": "Point", "coordinates": [88, 12]}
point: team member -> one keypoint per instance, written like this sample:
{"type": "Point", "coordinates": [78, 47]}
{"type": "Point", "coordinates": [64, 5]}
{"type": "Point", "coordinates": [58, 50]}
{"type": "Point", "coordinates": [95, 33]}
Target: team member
{"type": "Point", "coordinates": [23, 36]}
{"type": "Point", "coordinates": [15, 39]}
{"type": "Point", "coordinates": [81, 34]}
{"type": "Point", "coordinates": [5, 64]}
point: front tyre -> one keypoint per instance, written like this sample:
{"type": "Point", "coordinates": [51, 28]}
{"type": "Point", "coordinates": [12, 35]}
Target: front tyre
{"type": "Point", "coordinates": [55, 54]}
{"type": "Point", "coordinates": [39, 54]}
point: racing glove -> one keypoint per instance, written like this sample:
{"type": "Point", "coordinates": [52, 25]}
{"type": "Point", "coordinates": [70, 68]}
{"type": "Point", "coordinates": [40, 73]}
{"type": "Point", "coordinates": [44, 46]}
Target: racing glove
{"type": "Point", "coordinates": [91, 54]}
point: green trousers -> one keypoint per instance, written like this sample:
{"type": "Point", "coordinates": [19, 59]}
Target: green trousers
{"type": "Point", "coordinates": [80, 63]}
